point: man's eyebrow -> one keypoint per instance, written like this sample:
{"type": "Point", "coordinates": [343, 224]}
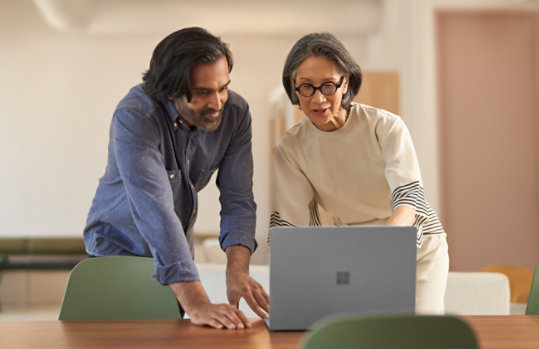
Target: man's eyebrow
{"type": "Point", "coordinates": [207, 89]}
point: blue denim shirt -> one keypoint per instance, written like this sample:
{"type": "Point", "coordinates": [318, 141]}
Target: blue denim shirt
{"type": "Point", "coordinates": [146, 202]}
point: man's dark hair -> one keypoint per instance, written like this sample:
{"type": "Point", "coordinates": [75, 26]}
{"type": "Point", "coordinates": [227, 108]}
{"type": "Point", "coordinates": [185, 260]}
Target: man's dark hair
{"type": "Point", "coordinates": [325, 45]}
{"type": "Point", "coordinates": [175, 56]}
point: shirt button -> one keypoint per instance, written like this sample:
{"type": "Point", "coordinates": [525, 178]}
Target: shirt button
{"type": "Point", "coordinates": [188, 162]}
{"type": "Point", "coordinates": [175, 125]}
{"type": "Point", "coordinates": [171, 176]}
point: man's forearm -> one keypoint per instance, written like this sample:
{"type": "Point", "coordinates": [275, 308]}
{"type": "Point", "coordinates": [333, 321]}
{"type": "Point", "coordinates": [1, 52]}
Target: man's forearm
{"type": "Point", "coordinates": [190, 294]}
{"type": "Point", "coordinates": [238, 258]}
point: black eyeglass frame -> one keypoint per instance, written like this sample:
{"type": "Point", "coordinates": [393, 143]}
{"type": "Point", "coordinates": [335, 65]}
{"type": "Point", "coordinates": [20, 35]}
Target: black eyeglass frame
{"type": "Point", "coordinates": [337, 86]}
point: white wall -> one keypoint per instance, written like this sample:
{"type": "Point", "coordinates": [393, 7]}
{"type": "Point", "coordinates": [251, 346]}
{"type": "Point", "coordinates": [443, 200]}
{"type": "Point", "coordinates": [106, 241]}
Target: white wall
{"type": "Point", "coordinates": [58, 92]}
{"type": "Point", "coordinates": [56, 98]}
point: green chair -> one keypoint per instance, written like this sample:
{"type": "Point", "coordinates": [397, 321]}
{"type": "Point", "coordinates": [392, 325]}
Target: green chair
{"type": "Point", "coordinates": [533, 298]}
{"type": "Point", "coordinates": [118, 287]}
{"type": "Point", "coordinates": [403, 332]}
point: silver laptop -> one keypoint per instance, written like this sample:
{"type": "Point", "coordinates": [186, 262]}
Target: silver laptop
{"type": "Point", "coordinates": [320, 272]}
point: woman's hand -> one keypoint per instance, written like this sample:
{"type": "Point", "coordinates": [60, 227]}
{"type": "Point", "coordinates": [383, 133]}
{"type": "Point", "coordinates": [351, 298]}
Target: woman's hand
{"type": "Point", "coordinates": [402, 215]}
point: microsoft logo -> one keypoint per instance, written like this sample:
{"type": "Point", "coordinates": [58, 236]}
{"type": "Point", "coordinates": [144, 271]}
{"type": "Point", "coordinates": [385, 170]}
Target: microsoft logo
{"type": "Point", "coordinates": [343, 278]}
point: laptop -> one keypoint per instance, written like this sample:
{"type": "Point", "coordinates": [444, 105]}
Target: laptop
{"type": "Point", "coordinates": [321, 272]}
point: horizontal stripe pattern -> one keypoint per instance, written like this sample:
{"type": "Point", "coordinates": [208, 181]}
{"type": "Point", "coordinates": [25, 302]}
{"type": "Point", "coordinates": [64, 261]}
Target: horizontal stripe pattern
{"type": "Point", "coordinates": [426, 220]}
{"type": "Point", "coordinates": [277, 221]}
{"type": "Point", "coordinates": [412, 194]}
{"type": "Point", "coordinates": [314, 214]}
{"type": "Point", "coordinates": [314, 218]}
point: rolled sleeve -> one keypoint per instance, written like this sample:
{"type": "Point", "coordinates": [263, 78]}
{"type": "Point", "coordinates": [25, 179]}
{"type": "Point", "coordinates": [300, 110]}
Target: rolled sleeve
{"type": "Point", "coordinates": [235, 183]}
{"type": "Point", "coordinates": [243, 239]}
{"type": "Point", "coordinates": [167, 274]}
{"type": "Point", "coordinates": [135, 142]}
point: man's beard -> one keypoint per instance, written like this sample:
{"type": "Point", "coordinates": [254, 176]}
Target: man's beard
{"type": "Point", "coordinates": [209, 123]}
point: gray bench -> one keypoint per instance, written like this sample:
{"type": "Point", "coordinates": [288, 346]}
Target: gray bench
{"type": "Point", "coordinates": [19, 254]}
{"type": "Point", "coordinates": [41, 253]}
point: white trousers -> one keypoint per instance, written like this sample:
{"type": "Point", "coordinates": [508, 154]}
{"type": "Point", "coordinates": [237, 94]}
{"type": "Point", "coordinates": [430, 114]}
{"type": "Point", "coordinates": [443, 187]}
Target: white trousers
{"type": "Point", "coordinates": [431, 274]}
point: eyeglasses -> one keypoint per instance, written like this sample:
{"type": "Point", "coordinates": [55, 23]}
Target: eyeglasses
{"type": "Point", "coordinates": [327, 88]}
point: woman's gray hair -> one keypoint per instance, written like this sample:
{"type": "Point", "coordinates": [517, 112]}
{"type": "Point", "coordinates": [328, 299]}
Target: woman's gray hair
{"type": "Point", "coordinates": [326, 45]}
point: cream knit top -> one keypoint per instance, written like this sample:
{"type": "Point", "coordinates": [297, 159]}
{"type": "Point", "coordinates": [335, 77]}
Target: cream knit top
{"type": "Point", "coordinates": [358, 173]}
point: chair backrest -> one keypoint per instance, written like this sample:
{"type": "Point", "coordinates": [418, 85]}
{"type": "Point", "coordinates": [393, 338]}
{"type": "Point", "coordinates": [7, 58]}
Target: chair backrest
{"type": "Point", "coordinates": [477, 293]}
{"type": "Point", "coordinates": [117, 287]}
{"type": "Point", "coordinates": [520, 279]}
{"type": "Point", "coordinates": [403, 332]}
{"type": "Point", "coordinates": [533, 298]}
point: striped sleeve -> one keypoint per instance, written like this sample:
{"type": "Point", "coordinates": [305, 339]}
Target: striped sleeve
{"type": "Point", "coordinates": [426, 220]}
{"type": "Point", "coordinates": [277, 221]}
{"type": "Point", "coordinates": [403, 174]}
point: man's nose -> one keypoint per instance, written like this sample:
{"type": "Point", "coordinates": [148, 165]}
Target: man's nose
{"type": "Point", "coordinates": [216, 101]}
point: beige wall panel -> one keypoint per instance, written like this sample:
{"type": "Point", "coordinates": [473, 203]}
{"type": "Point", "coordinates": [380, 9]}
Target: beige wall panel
{"type": "Point", "coordinates": [488, 92]}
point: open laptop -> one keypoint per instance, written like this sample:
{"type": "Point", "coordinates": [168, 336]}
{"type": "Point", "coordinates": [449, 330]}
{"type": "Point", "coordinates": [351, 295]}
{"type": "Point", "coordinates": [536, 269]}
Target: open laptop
{"type": "Point", "coordinates": [319, 272]}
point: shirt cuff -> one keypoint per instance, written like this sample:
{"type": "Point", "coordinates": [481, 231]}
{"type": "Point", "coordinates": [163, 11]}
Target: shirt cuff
{"type": "Point", "coordinates": [227, 240]}
{"type": "Point", "coordinates": [176, 272]}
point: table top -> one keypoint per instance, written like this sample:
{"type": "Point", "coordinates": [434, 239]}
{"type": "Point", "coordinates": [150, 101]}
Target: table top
{"type": "Point", "coordinates": [493, 332]}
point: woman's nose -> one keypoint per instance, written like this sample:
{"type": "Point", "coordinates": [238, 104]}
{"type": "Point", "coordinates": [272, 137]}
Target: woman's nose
{"type": "Point", "coordinates": [318, 96]}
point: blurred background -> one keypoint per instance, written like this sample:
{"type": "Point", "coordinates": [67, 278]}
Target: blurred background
{"type": "Point", "coordinates": [464, 76]}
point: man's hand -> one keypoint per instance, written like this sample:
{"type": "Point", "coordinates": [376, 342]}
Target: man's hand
{"type": "Point", "coordinates": [240, 285]}
{"type": "Point", "coordinates": [196, 303]}
{"type": "Point", "coordinates": [219, 316]}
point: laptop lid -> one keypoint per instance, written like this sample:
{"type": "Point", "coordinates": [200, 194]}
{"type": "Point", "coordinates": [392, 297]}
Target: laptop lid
{"type": "Point", "coordinates": [316, 272]}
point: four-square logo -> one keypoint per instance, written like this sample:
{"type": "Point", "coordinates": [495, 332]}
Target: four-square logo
{"type": "Point", "coordinates": [343, 278]}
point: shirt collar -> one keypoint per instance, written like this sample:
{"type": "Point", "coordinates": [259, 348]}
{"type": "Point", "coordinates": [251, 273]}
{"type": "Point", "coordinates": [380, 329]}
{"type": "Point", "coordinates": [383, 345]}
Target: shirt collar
{"type": "Point", "coordinates": [171, 111]}
{"type": "Point", "coordinates": [175, 118]}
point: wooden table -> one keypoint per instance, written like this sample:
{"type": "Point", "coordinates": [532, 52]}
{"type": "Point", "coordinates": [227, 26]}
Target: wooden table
{"type": "Point", "coordinates": [510, 331]}
{"type": "Point", "coordinates": [493, 332]}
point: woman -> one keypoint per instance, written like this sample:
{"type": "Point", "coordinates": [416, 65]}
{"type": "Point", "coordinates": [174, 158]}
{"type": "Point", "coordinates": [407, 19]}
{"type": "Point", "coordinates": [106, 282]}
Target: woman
{"type": "Point", "coordinates": [355, 161]}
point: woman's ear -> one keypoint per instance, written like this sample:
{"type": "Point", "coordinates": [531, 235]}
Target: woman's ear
{"type": "Point", "coordinates": [344, 86]}
{"type": "Point", "coordinates": [293, 85]}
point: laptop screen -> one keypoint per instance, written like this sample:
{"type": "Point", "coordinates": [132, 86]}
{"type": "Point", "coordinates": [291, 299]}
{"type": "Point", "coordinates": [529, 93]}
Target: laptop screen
{"type": "Point", "coordinates": [317, 272]}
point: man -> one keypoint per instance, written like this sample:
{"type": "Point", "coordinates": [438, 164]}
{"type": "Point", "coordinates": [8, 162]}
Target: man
{"type": "Point", "coordinates": [168, 136]}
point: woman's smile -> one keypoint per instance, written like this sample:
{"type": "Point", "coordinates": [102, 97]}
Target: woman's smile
{"type": "Point", "coordinates": [320, 111]}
